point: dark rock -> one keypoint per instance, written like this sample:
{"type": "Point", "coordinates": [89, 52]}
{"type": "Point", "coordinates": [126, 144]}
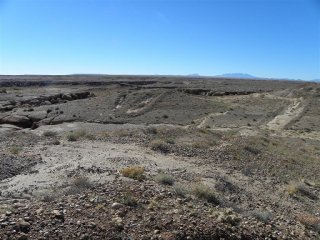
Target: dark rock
{"type": "Point", "coordinates": [18, 120]}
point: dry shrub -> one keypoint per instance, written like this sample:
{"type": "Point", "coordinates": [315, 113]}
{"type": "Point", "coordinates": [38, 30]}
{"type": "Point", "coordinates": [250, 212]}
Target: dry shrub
{"type": "Point", "coordinates": [309, 221]}
{"type": "Point", "coordinates": [134, 172]}
{"type": "Point", "coordinates": [49, 133]}
{"type": "Point", "coordinates": [203, 144]}
{"type": "Point", "coordinates": [159, 145]}
{"type": "Point", "coordinates": [296, 189]}
{"type": "Point", "coordinates": [164, 178]}
{"type": "Point", "coordinates": [263, 216]}
{"type": "Point", "coordinates": [15, 150]}
{"type": "Point", "coordinates": [76, 135]}
{"type": "Point", "coordinates": [204, 192]}
{"type": "Point", "coordinates": [129, 200]}
{"type": "Point", "coordinates": [180, 190]}
{"type": "Point", "coordinates": [78, 185]}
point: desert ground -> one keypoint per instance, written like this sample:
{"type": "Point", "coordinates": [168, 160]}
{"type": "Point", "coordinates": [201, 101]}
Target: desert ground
{"type": "Point", "coordinates": [158, 157]}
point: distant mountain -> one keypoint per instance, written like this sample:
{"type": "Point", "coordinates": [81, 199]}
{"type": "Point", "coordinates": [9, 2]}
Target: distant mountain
{"type": "Point", "coordinates": [237, 75]}
{"type": "Point", "coordinates": [194, 75]}
{"type": "Point", "coordinates": [315, 80]}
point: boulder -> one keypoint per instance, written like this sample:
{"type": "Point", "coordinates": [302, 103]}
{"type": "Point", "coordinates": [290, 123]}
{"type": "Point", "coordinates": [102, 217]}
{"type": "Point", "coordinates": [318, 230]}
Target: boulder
{"type": "Point", "coordinates": [66, 97]}
{"type": "Point", "coordinates": [18, 120]}
{"type": "Point", "coordinates": [37, 116]}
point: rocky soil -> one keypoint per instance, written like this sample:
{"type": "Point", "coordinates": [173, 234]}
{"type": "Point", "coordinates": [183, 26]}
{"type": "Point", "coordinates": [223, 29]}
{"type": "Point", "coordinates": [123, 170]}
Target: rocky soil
{"type": "Point", "coordinates": [96, 157]}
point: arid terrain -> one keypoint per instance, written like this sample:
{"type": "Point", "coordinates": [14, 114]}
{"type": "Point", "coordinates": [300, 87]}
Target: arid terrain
{"type": "Point", "coordinates": [158, 157]}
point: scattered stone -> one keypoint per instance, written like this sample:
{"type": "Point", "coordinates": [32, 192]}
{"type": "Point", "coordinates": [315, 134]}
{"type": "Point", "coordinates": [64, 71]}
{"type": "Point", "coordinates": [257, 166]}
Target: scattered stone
{"type": "Point", "coordinates": [116, 205]}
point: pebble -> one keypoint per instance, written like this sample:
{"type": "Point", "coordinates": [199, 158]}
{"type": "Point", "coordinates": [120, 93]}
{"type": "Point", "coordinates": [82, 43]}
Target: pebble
{"type": "Point", "coordinates": [116, 205]}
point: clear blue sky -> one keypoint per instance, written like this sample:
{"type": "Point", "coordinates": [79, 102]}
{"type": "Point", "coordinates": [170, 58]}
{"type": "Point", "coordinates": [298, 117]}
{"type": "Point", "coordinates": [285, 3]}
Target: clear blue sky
{"type": "Point", "coordinates": [266, 38]}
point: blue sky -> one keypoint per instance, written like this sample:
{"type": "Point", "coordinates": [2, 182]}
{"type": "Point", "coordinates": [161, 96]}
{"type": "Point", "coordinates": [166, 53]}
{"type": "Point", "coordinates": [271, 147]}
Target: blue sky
{"type": "Point", "coordinates": [266, 38]}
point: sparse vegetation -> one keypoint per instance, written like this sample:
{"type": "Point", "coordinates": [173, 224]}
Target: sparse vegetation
{"type": "Point", "coordinates": [299, 189]}
{"type": "Point", "coordinates": [164, 178]}
{"type": "Point", "coordinates": [71, 137]}
{"type": "Point", "coordinates": [204, 192]}
{"type": "Point", "coordinates": [152, 130]}
{"type": "Point", "coordinates": [203, 144]}
{"type": "Point", "coordinates": [263, 216]}
{"type": "Point", "coordinates": [49, 134]}
{"type": "Point", "coordinates": [129, 200]}
{"type": "Point", "coordinates": [15, 150]}
{"type": "Point", "coordinates": [309, 221]}
{"type": "Point", "coordinates": [134, 172]}
{"type": "Point", "coordinates": [76, 135]}
{"type": "Point", "coordinates": [160, 145]}
{"type": "Point", "coordinates": [56, 142]}
{"type": "Point", "coordinates": [78, 185]}
{"type": "Point", "coordinates": [48, 197]}
{"type": "Point", "coordinates": [180, 190]}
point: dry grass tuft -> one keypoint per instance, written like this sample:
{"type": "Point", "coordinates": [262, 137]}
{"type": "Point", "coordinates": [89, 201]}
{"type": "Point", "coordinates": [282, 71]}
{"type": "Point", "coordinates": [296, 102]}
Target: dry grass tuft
{"type": "Point", "coordinates": [180, 190]}
{"type": "Point", "coordinates": [160, 146]}
{"type": "Point", "coordinates": [15, 150]}
{"type": "Point", "coordinates": [76, 135]}
{"type": "Point", "coordinates": [299, 189]}
{"type": "Point", "coordinates": [78, 185]}
{"type": "Point", "coordinates": [204, 192]}
{"type": "Point", "coordinates": [164, 178]}
{"type": "Point", "coordinates": [309, 221]}
{"type": "Point", "coordinates": [49, 133]}
{"type": "Point", "coordinates": [134, 172]}
{"type": "Point", "coordinates": [129, 200]}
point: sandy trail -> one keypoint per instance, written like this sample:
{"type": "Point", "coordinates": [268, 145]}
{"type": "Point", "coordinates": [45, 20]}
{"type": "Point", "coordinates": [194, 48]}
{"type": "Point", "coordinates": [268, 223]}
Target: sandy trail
{"type": "Point", "coordinates": [293, 111]}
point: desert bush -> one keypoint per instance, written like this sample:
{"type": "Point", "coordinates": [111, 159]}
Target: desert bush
{"type": "Point", "coordinates": [164, 178]}
{"type": "Point", "coordinates": [129, 200]}
{"type": "Point", "coordinates": [180, 190]}
{"type": "Point", "coordinates": [309, 221]}
{"type": "Point", "coordinates": [49, 134]}
{"type": "Point", "coordinates": [152, 130]}
{"type": "Point", "coordinates": [122, 133]}
{"type": "Point", "coordinates": [224, 185]}
{"type": "Point", "coordinates": [48, 197]}
{"type": "Point", "coordinates": [295, 189]}
{"type": "Point", "coordinates": [202, 144]}
{"type": "Point", "coordinates": [204, 192]}
{"type": "Point", "coordinates": [15, 150]}
{"type": "Point", "coordinates": [170, 141]}
{"type": "Point", "coordinates": [159, 145]}
{"type": "Point", "coordinates": [76, 135]}
{"type": "Point", "coordinates": [56, 142]}
{"type": "Point", "coordinates": [203, 130]}
{"type": "Point", "coordinates": [263, 216]}
{"type": "Point", "coordinates": [78, 185]}
{"type": "Point", "coordinates": [72, 137]}
{"type": "Point", "coordinates": [252, 150]}
{"type": "Point", "coordinates": [134, 172]}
